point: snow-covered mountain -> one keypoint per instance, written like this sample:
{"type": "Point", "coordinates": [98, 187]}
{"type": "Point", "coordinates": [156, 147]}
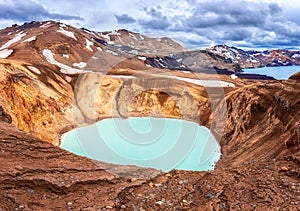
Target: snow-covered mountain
{"type": "Point", "coordinates": [252, 58]}
{"type": "Point", "coordinates": [70, 50]}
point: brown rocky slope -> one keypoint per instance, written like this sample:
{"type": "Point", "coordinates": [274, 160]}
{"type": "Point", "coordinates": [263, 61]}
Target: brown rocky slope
{"type": "Point", "coordinates": [259, 169]}
{"type": "Point", "coordinates": [261, 114]}
{"type": "Point", "coordinates": [37, 103]}
{"type": "Point", "coordinates": [43, 103]}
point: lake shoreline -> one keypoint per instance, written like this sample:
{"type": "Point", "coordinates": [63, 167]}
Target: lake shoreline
{"type": "Point", "coordinates": [165, 135]}
{"type": "Point", "coordinates": [269, 72]}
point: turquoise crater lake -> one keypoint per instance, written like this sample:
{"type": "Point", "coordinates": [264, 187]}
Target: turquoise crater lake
{"type": "Point", "coordinates": [160, 143]}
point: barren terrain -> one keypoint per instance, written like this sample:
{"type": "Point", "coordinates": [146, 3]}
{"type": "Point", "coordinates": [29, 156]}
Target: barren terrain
{"type": "Point", "coordinates": [51, 82]}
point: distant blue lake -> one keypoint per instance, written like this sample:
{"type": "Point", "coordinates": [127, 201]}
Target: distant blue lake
{"type": "Point", "coordinates": [160, 143]}
{"type": "Point", "coordinates": [279, 73]}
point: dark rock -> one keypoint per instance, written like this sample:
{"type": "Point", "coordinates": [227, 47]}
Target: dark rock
{"type": "Point", "coordinates": [4, 116]}
{"type": "Point", "coordinates": [209, 196]}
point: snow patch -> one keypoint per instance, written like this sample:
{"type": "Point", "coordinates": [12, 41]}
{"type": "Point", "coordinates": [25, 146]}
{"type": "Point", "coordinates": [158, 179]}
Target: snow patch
{"type": "Point", "coordinates": [89, 44]}
{"type": "Point", "coordinates": [206, 83]}
{"type": "Point", "coordinates": [133, 36]}
{"type": "Point", "coordinates": [99, 49]}
{"type": "Point", "coordinates": [112, 52]}
{"type": "Point", "coordinates": [64, 68]}
{"type": "Point", "coordinates": [142, 58]}
{"type": "Point", "coordinates": [68, 79]}
{"type": "Point", "coordinates": [17, 38]}
{"type": "Point", "coordinates": [228, 55]}
{"type": "Point", "coordinates": [234, 50]}
{"type": "Point", "coordinates": [252, 60]}
{"type": "Point", "coordinates": [159, 61]}
{"type": "Point", "coordinates": [296, 56]}
{"type": "Point", "coordinates": [106, 36]}
{"type": "Point", "coordinates": [65, 32]}
{"type": "Point", "coordinates": [80, 64]}
{"type": "Point", "coordinates": [5, 53]}
{"type": "Point", "coordinates": [135, 52]}
{"type": "Point", "coordinates": [66, 56]}
{"type": "Point", "coordinates": [45, 25]}
{"type": "Point", "coordinates": [234, 76]}
{"type": "Point", "coordinates": [114, 33]}
{"type": "Point", "coordinates": [30, 39]}
{"type": "Point", "coordinates": [141, 37]}
{"type": "Point", "coordinates": [90, 32]}
{"type": "Point", "coordinates": [123, 76]}
{"type": "Point", "coordinates": [110, 42]}
{"type": "Point", "coordinates": [34, 69]}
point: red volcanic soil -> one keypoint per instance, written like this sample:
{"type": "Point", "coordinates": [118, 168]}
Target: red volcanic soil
{"type": "Point", "coordinates": [259, 170]}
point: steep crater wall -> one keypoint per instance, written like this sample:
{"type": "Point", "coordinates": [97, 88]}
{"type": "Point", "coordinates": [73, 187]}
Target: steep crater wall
{"type": "Point", "coordinates": [262, 119]}
{"type": "Point", "coordinates": [99, 97]}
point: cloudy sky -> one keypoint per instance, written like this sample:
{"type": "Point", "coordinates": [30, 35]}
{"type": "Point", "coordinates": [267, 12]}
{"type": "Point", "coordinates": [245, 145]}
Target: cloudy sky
{"type": "Point", "coordinates": [194, 23]}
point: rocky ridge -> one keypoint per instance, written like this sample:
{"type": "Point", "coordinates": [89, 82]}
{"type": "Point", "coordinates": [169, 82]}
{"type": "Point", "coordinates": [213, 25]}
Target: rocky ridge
{"type": "Point", "coordinates": [253, 58]}
{"type": "Point", "coordinates": [72, 50]}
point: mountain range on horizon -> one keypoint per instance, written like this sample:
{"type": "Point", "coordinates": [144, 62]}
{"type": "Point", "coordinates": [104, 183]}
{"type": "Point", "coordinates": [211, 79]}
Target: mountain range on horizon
{"type": "Point", "coordinates": [70, 46]}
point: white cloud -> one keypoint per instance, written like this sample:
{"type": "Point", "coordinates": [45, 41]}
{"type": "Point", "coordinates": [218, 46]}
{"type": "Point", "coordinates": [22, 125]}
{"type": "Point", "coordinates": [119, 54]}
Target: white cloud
{"type": "Point", "coordinates": [196, 23]}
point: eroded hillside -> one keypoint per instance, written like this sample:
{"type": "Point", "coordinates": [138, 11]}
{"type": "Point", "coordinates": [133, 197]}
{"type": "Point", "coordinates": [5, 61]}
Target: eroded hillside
{"type": "Point", "coordinates": [36, 175]}
{"type": "Point", "coordinates": [39, 103]}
